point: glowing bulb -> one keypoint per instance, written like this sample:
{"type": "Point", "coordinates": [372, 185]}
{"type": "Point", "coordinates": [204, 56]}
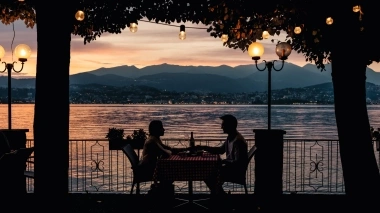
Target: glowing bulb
{"type": "Point", "coordinates": [255, 50]}
{"type": "Point", "coordinates": [2, 52]}
{"type": "Point", "coordinates": [133, 27]}
{"type": "Point", "coordinates": [297, 30]}
{"type": "Point", "coordinates": [356, 8]}
{"type": "Point", "coordinates": [23, 52]}
{"type": "Point", "coordinates": [79, 15]}
{"type": "Point", "coordinates": [283, 50]}
{"type": "Point", "coordinates": [329, 21]}
{"type": "Point", "coordinates": [265, 34]}
{"type": "Point", "coordinates": [224, 38]}
{"type": "Point", "coordinates": [182, 33]}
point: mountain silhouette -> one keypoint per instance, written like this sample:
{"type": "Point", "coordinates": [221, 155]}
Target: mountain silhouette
{"type": "Point", "coordinates": [243, 78]}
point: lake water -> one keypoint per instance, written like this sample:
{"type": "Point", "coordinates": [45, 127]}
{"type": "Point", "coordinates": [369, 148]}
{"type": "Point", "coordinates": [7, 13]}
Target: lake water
{"type": "Point", "coordinates": [92, 121]}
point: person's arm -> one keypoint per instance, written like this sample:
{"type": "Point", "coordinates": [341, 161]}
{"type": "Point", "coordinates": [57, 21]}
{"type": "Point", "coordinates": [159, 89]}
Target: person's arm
{"type": "Point", "coordinates": [214, 150]}
{"type": "Point", "coordinates": [162, 151]}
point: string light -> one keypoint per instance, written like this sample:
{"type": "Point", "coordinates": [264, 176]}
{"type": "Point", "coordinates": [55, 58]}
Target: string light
{"type": "Point", "coordinates": [224, 38]}
{"type": "Point", "coordinates": [297, 30]}
{"type": "Point", "coordinates": [182, 33]}
{"type": "Point", "coordinates": [356, 8]}
{"type": "Point", "coordinates": [79, 15]}
{"type": "Point", "coordinates": [329, 21]}
{"type": "Point", "coordinates": [133, 27]}
{"type": "Point", "coordinates": [265, 34]}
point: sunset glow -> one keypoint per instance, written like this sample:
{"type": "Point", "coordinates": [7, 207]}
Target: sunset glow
{"type": "Point", "coordinates": [152, 44]}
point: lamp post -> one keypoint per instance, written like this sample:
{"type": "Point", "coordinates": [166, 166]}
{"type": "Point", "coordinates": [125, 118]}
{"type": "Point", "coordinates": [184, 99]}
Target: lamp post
{"type": "Point", "coordinates": [256, 50]}
{"type": "Point", "coordinates": [22, 52]}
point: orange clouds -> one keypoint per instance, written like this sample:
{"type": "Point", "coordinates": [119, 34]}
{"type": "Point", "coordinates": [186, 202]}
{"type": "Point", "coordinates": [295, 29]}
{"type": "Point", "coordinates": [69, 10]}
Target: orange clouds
{"type": "Point", "coordinates": [151, 44]}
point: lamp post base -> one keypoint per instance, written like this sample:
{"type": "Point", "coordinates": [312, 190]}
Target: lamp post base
{"type": "Point", "coordinates": [268, 163]}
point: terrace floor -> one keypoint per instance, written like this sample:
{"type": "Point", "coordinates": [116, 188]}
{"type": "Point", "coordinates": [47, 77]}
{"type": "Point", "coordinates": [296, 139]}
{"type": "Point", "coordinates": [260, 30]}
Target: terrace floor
{"type": "Point", "coordinates": [125, 203]}
{"type": "Point", "coordinates": [112, 203]}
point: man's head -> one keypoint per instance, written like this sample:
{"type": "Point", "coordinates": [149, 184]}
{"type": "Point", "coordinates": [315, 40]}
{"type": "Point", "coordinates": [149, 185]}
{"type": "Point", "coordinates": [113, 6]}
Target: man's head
{"type": "Point", "coordinates": [229, 123]}
{"type": "Point", "coordinates": [156, 128]}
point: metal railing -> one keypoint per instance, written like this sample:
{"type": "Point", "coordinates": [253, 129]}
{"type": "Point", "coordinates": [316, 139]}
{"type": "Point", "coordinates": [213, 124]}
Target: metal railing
{"type": "Point", "coordinates": [309, 166]}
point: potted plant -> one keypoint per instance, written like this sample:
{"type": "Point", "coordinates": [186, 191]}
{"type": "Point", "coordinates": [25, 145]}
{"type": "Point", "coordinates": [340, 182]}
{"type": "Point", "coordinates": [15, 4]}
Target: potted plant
{"type": "Point", "coordinates": [137, 138]}
{"type": "Point", "coordinates": [116, 138]}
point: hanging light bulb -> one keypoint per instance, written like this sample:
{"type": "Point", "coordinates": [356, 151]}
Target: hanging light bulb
{"type": "Point", "coordinates": [297, 30]}
{"type": "Point", "coordinates": [133, 27]}
{"type": "Point", "coordinates": [265, 34]}
{"type": "Point", "coordinates": [224, 37]}
{"type": "Point", "coordinates": [356, 8]}
{"type": "Point", "coordinates": [182, 33]}
{"type": "Point", "coordinates": [329, 21]}
{"type": "Point", "coordinates": [79, 15]}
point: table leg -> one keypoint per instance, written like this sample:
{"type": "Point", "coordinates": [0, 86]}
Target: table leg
{"type": "Point", "coordinates": [191, 198]}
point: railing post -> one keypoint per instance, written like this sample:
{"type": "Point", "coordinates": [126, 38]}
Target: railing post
{"type": "Point", "coordinates": [268, 165]}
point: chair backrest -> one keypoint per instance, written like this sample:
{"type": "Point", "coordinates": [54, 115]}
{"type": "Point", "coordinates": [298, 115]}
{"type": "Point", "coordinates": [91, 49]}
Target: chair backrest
{"type": "Point", "coordinates": [131, 154]}
{"type": "Point", "coordinates": [251, 153]}
{"type": "Point", "coordinates": [4, 144]}
{"type": "Point", "coordinates": [240, 176]}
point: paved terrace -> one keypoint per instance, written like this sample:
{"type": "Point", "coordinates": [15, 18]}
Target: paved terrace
{"type": "Point", "coordinates": [124, 203]}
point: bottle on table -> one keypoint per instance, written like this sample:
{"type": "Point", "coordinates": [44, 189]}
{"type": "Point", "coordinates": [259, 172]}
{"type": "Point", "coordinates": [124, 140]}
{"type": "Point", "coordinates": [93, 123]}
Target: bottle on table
{"type": "Point", "coordinates": [192, 143]}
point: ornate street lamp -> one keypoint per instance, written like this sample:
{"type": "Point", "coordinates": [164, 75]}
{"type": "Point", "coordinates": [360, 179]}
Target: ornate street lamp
{"type": "Point", "coordinates": [22, 52]}
{"type": "Point", "coordinates": [256, 50]}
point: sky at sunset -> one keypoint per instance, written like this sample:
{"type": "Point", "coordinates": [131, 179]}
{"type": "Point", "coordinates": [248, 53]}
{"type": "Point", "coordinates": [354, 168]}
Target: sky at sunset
{"type": "Point", "coordinates": [152, 44]}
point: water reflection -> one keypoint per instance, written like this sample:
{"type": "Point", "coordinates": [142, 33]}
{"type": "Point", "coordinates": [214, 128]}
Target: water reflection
{"type": "Point", "coordinates": [93, 121]}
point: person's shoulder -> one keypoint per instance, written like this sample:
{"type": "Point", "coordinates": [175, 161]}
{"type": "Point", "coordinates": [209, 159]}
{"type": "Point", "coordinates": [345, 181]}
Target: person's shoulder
{"type": "Point", "coordinates": [150, 140]}
{"type": "Point", "coordinates": [240, 138]}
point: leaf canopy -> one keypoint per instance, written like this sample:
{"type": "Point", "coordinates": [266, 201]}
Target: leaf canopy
{"type": "Point", "coordinates": [243, 20]}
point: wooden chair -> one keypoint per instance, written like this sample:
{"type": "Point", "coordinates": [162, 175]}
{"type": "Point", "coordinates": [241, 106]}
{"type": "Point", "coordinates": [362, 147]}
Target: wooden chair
{"type": "Point", "coordinates": [241, 178]}
{"type": "Point", "coordinates": [134, 161]}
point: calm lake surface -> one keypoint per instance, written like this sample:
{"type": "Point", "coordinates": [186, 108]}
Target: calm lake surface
{"type": "Point", "coordinates": [92, 121]}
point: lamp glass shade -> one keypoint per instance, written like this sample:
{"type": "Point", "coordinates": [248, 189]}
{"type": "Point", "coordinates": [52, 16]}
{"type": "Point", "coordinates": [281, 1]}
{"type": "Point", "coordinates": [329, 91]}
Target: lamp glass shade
{"type": "Point", "coordinates": [79, 15]}
{"type": "Point", "coordinates": [224, 37]}
{"type": "Point", "coordinates": [182, 35]}
{"type": "Point", "coordinates": [297, 30]}
{"type": "Point", "coordinates": [283, 50]}
{"type": "Point", "coordinates": [255, 49]}
{"type": "Point", "coordinates": [23, 51]}
{"type": "Point", "coordinates": [329, 21]}
{"type": "Point", "coordinates": [133, 27]}
{"type": "Point", "coordinates": [2, 52]}
{"type": "Point", "coordinates": [265, 34]}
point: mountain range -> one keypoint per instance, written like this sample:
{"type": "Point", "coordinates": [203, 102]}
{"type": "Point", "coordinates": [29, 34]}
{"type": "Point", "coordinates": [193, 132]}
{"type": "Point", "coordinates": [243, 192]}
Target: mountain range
{"type": "Point", "coordinates": [243, 78]}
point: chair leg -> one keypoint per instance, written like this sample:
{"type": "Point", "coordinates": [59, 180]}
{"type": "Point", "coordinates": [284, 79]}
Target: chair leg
{"type": "Point", "coordinates": [245, 188]}
{"type": "Point", "coordinates": [138, 188]}
{"type": "Point", "coordinates": [133, 184]}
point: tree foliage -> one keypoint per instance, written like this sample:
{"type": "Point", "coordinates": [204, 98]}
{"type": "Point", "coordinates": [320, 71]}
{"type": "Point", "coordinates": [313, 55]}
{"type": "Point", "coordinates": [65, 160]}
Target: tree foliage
{"type": "Point", "coordinates": [243, 20]}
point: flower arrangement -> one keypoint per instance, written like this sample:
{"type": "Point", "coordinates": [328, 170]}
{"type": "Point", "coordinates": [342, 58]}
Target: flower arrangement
{"type": "Point", "coordinates": [138, 136]}
{"type": "Point", "coordinates": [117, 140]}
{"type": "Point", "coordinates": [115, 134]}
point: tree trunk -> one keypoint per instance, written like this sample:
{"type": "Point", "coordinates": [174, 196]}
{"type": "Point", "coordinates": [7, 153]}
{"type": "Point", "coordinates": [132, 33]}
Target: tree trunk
{"type": "Point", "coordinates": [51, 115]}
{"type": "Point", "coordinates": [360, 171]}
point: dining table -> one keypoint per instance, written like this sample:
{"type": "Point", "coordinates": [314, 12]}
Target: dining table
{"type": "Point", "coordinates": [188, 167]}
